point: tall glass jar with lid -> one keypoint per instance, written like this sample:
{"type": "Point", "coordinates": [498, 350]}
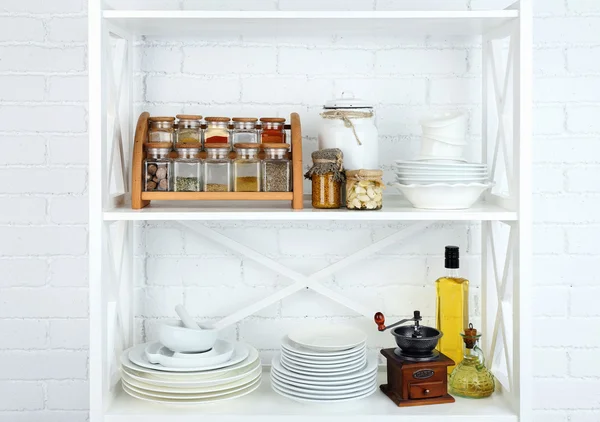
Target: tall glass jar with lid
{"type": "Point", "coordinates": [276, 168]}
{"type": "Point", "coordinates": [273, 130]}
{"type": "Point", "coordinates": [161, 129]}
{"type": "Point", "coordinates": [244, 130]}
{"type": "Point", "coordinates": [187, 168]}
{"type": "Point", "coordinates": [189, 129]}
{"type": "Point", "coordinates": [217, 168]}
{"type": "Point", "coordinates": [217, 131]}
{"type": "Point", "coordinates": [246, 168]}
{"type": "Point", "coordinates": [158, 167]}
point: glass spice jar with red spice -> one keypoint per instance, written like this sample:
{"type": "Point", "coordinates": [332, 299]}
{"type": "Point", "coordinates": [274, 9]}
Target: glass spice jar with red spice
{"type": "Point", "coordinates": [217, 131]}
{"type": "Point", "coordinates": [273, 130]}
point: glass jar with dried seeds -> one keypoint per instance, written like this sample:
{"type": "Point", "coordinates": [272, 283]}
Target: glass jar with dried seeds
{"type": "Point", "coordinates": [276, 168]}
{"type": "Point", "coordinates": [217, 168]}
{"type": "Point", "coordinates": [187, 168]}
{"type": "Point", "coordinates": [158, 167]}
{"type": "Point", "coordinates": [327, 176]}
{"type": "Point", "coordinates": [161, 129]}
{"type": "Point", "coordinates": [189, 129]}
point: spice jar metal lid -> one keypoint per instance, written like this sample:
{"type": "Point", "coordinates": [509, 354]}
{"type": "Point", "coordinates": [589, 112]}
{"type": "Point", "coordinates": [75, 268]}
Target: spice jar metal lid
{"type": "Point", "coordinates": [156, 145]}
{"type": "Point", "coordinates": [188, 145]}
{"type": "Point", "coordinates": [189, 117]}
{"type": "Point", "coordinates": [274, 145]}
{"type": "Point", "coordinates": [246, 146]}
{"type": "Point", "coordinates": [245, 119]}
{"type": "Point", "coordinates": [217, 119]}
{"type": "Point", "coordinates": [161, 119]}
{"type": "Point", "coordinates": [347, 100]}
{"type": "Point", "coordinates": [272, 119]}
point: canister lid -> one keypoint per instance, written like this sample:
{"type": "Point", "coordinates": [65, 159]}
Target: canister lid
{"type": "Point", "coordinates": [217, 145]}
{"type": "Point", "coordinates": [161, 119]}
{"type": "Point", "coordinates": [217, 119]}
{"type": "Point", "coordinates": [189, 117]}
{"type": "Point", "coordinates": [275, 145]}
{"type": "Point", "coordinates": [272, 119]}
{"type": "Point", "coordinates": [245, 119]}
{"type": "Point", "coordinates": [156, 145]}
{"type": "Point", "coordinates": [246, 146]}
{"type": "Point", "coordinates": [347, 100]}
{"type": "Point", "coordinates": [188, 145]}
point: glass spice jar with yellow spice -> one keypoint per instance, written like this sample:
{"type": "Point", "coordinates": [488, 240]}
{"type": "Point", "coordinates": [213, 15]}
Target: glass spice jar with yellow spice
{"type": "Point", "coordinates": [327, 176]}
{"type": "Point", "coordinates": [246, 168]}
{"type": "Point", "coordinates": [189, 129]}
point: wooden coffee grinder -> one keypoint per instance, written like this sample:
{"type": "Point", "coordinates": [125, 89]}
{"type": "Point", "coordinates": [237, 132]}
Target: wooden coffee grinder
{"type": "Point", "coordinates": [416, 372]}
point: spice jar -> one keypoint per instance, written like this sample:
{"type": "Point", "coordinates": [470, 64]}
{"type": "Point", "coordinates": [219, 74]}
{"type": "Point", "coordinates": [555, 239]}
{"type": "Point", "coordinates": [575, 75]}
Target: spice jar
{"type": "Point", "coordinates": [217, 168]}
{"type": "Point", "coordinates": [244, 130]}
{"type": "Point", "coordinates": [273, 129]}
{"type": "Point", "coordinates": [161, 129]}
{"type": "Point", "coordinates": [158, 167]}
{"type": "Point", "coordinates": [364, 189]}
{"type": "Point", "coordinates": [276, 168]}
{"type": "Point", "coordinates": [327, 177]}
{"type": "Point", "coordinates": [217, 131]}
{"type": "Point", "coordinates": [187, 168]}
{"type": "Point", "coordinates": [246, 168]}
{"type": "Point", "coordinates": [188, 129]}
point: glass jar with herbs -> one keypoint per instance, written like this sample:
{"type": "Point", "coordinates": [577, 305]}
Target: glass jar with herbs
{"type": "Point", "coordinates": [273, 130]}
{"type": "Point", "coordinates": [244, 130]}
{"type": "Point", "coordinates": [217, 131]}
{"type": "Point", "coordinates": [217, 168]}
{"type": "Point", "coordinates": [187, 168]}
{"type": "Point", "coordinates": [161, 129]}
{"type": "Point", "coordinates": [276, 168]}
{"type": "Point", "coordinates": [327, 176]}
{"type": "Point", "coordinates": [188, 129]}
{"type": "Point", "coordinates": [246, 168]}
{"type": "Point", "coordinates": [364, 189]}
{"type": "Point", "coordinates": [158, 167]}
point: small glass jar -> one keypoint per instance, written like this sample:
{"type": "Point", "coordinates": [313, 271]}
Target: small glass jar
{"type": "Point", "coordinates": [161, 129]}
{"type": "Point", "coordinates": [187, 168]}
{"type": "Point", "coordinates": [276, 168]}
{"type": "Point", "coordinates": [326, 191]}
{"type": "Point", "coordinates": [217, 131]}
{"type": "Point", "coordinates": [158, 167]}
{"type": "Point", "coordinates": [189, 129]}
{"type": "Point", "coordinates": [273, 130]}
{"type": "Point", "coordinates": [246, 168]}
{"type": "Point", "coordinates": [364, 189]}
{"type": "Point", "coordinates": [244, 130]}
{"type": "Point", "coordinates": [217, 168]}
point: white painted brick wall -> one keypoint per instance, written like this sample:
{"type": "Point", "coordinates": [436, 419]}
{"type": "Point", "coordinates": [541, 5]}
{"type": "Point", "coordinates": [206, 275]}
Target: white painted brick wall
{"type": "Point", "coordinates": [43, 133]}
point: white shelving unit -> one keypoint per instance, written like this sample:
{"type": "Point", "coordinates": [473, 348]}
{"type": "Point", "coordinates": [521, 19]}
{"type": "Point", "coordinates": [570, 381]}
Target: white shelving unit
{"type": "Point", "coordinates": [506, 36]}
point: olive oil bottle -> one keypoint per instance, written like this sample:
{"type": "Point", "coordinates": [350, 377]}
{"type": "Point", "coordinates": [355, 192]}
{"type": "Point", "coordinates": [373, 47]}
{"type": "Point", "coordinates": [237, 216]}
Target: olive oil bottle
{"type": "Point", "coordinates": [452, 307]}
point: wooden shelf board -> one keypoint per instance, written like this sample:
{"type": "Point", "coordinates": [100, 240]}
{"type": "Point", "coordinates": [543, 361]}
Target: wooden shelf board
{"type": "Point", "coordinates": [264, 405]}
{"type": "Point", "coordinates": [394, 209]}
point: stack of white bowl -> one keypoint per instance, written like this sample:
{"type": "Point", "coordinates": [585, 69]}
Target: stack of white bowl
{"type": "Point", "coordinates": [444, 136]}
{"type": "Point", "coordinates": [324, 364]}
{"type": "Point", "coordinates": [190, 366]}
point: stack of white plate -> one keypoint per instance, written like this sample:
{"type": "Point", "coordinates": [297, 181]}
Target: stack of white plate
{"type": "Point", "coordinates": [154, 373]}
{"type": "Point", "coordinates": [441, 184]}
{"type": "Point", "coordinates": [327, 364]}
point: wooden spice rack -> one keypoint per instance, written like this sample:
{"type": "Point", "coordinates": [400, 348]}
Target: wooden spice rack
{"type": "Point", "coordinates": [140, 199]}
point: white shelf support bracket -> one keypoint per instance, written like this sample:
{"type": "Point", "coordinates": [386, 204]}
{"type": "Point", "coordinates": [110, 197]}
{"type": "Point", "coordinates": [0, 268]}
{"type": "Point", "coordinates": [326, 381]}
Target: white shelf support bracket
{"type": "Point", "coordinates": [301, 281]}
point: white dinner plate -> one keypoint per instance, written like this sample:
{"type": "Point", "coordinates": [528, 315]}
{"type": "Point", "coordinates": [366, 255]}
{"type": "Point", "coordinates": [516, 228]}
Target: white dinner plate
{"type": "Point", "coordinates": [430, 180]}
{"type": "Point", "coordinates": [221, 352]}
{"type": "Point", "coordinates": [214, 385]}
{"type": "Point", "coordinates": [431, 164]}
{"type": "Point", "coordinates": [144, 397]}
{"type": "Point", "coordinates": [356, 390]}
{"type": "Point", "coordinates": [370, 368]}
{"type": "Point", "coordinates": [314, 370]}
{"type": "Point", "coordinates": [337, 387]}
{"type": "Point", "coordinates": [323, 364]}
{"type": "Point", "coordinates": [309, 398]}
{"type": "Point", "coordinates": [189, 377]}
{"type": "Point", "coordinates": [191, 396]}
{"type": "Point", "coordinates": [439, 172]}
{"type": "Point", "coordinates": [300, 351]}
{"type": "Point", "coordinates": [328, 337]}
{"type": "Point", "coordinates": [137, 355]}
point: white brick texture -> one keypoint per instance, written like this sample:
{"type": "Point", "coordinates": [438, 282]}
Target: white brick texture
{"type": "Point", "coordinates": [43, 194]}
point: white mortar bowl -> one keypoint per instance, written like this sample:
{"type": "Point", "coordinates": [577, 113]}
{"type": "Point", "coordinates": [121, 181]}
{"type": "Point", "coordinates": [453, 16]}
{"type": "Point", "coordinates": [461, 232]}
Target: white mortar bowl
{"type": "Point", "coordinates": [186, 340]}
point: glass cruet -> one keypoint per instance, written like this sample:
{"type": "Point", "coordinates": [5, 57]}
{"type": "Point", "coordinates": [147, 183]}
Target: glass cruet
{"type": "Point", "coordinates": [471, 378]}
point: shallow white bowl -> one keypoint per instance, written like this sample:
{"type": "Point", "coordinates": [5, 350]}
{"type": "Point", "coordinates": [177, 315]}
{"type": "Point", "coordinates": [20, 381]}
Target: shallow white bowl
{"type": "Point", "coordinates": [186, 340]}
{"type": "Point", "coordinates": [443, 196]}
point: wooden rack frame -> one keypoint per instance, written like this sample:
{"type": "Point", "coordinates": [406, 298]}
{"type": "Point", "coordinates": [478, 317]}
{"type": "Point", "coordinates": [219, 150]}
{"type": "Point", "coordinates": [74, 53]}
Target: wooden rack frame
{"type": "Point", "coordinates": [141, 199]}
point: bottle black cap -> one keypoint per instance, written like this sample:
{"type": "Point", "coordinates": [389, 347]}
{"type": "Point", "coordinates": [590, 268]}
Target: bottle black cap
{"type": "Point", "coordinates": [452, 257]}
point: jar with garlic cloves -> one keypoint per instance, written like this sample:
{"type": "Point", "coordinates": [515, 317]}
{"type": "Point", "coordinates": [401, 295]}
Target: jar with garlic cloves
{"type": "Point", "coordinates": [364, 189]}
{"type": "Point", "coordinates": [158, 167]}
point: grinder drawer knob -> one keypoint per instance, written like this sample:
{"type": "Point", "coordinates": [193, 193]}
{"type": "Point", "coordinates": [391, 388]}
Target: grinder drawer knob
{"type": "Point", "coordinates": [426, 392]}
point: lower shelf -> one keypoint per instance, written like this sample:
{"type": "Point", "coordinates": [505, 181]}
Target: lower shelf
{"type": "Point", "coordinates": [264, 405]}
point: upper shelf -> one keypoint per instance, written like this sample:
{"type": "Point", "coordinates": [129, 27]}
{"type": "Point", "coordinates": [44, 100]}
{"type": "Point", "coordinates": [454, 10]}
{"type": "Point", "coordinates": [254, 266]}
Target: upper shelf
{"type": "Point", "coordinates": [193, 22]}
{"type": "Point", "coordinates": [394, 209]}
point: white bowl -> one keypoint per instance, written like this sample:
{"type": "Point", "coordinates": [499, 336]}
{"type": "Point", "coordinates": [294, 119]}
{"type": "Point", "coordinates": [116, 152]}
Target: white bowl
{"type": "Point", "coordinates": [186, 340]}
{"type": "Point", "coordinates": [442, 150]}
{"type": "Point", "coordinates": [444, 118]}
{"type": "Point", "coordinates": [449, 125]}
{"type": "Point", "coordinates": [443, 196]}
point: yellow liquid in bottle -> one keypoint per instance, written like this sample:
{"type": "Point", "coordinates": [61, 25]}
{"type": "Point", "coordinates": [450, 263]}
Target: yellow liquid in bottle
{"type": "Point", "coordinates": [452, 315]}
